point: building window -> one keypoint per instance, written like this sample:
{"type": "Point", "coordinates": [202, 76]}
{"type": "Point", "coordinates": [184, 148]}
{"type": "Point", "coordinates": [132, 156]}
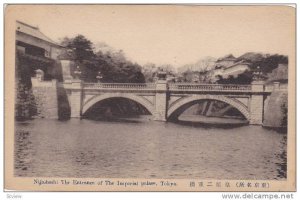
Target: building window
{"type": "Point", "coordinates": [30, 49]}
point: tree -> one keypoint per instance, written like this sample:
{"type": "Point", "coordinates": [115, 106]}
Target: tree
{"type": "Point", "coordinates": [269, 63]}
{"type": "Point", "coordinates": [25, 105]}
{"type": "Point", "coordinates": [112, 64]}
{"type": "Point", "coordinates": [188, 76]}
{"type": "Point", "coordinates": [81, 47]}
{"type": "Point", "coordinates": [116, 68]}
{"type": "Point", "coordinates": [83, 55]}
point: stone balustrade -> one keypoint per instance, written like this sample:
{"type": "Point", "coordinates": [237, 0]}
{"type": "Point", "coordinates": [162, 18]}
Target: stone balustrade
{"type": "Point", "coordinates": [276, 86]}
{"type": "Point", "coordinates": [120, 86]}
{"type": "Point", "coordinates": [175, 87]}
{"type": "Point", "coordinates": [171, 87]}
{"type": "Point", "coordinates": [209, 87]}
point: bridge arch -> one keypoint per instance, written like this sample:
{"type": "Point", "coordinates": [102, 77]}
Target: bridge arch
{"type": "Point", "coordinates": [190, 100]}
{"type": "Point", "coordinates": [144, 102]}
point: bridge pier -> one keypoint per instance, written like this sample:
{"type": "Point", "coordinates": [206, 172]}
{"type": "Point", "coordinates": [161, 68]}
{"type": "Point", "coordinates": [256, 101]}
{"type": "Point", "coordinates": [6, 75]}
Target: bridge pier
{"type": "Point", "coordinates": [256, 110]}
{"type": "Point", "coordinates": [76, 98]}
{"type": "Point", "coordinates": [257, 104]}
{"type": "Point", "coordinates": [161, 101]}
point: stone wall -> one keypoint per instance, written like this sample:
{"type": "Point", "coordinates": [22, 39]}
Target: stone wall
{"type": "Point", "coordinates": [45, 94]}
{"type": "Point", "coordinates": [275, 113]}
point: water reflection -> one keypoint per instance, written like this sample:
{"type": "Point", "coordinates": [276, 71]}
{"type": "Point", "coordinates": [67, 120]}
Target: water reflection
{"type": "Point", "coordinates": [210, 122]}
{"type": "Point", "coordinates": [282, 166]}
{"type": "Point", "coordinates": [147, 149]}
{"type": "Point", "coordinates": [24, 151]}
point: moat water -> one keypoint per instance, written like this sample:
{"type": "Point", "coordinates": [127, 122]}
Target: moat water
{"type": "Point", "coordinates": [139, 147]}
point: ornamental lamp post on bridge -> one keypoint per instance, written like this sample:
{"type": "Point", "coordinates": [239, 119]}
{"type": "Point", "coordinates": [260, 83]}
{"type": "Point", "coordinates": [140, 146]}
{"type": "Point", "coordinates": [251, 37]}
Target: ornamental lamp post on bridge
{"type": "Point", "coordinates": [161, 75]}
{"type": "Point", "coordinates": [77, 73]}
{"type": "Point", "coordinates": [66, 58]}
{"type": "Point", "coordinates": [161, 83]}
{"type": "Point", "coordinates": [258, 80]}
{"type": "Point", "coordinates": [99, 77]}
{"type": "Point", "coordinates": [257, 74]}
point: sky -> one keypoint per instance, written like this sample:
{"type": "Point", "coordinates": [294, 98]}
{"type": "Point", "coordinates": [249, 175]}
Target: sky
{"type": "Point", "coordinates": [174, 35]}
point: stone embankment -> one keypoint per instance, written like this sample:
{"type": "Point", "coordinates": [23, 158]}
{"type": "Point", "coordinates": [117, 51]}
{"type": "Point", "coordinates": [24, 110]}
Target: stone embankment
{"type": "Point", "coordinates": [275, 113]}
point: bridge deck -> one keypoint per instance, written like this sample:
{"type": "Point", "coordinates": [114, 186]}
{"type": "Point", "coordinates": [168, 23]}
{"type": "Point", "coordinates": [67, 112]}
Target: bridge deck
{"type": "Point", "coordinates": [171, 87]}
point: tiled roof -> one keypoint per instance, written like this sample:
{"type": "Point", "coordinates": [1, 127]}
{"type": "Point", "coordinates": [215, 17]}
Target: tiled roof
{"type": "Point", "coordinates": [32, 31]}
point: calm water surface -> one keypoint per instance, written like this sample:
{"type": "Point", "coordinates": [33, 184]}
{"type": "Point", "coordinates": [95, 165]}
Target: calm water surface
{"type": "Point", "coordinates": [147, 149]}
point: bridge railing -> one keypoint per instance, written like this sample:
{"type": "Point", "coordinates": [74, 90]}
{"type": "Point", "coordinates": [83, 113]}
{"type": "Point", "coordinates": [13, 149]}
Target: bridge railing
{"type": "Point", "coordinates": [174, 87]}
{"type": "Point", "coordinates": [171, 86]}
{"type": "Point", "coordinates": [135, 86]}
{"type": "Point", "coordinates": [272, 87]}
{"type": "Point", "coordinates": [209, 87]}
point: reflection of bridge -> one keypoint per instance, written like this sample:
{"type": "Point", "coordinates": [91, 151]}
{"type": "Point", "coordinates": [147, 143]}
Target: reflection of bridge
{"type": "Point", "coordinates": [167, 100]}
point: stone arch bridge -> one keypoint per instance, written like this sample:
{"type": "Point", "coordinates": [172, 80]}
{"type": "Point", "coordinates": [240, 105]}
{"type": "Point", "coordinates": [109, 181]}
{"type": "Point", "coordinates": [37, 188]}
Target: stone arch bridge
{"type": "Point", "coordinates": [165, 100]}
